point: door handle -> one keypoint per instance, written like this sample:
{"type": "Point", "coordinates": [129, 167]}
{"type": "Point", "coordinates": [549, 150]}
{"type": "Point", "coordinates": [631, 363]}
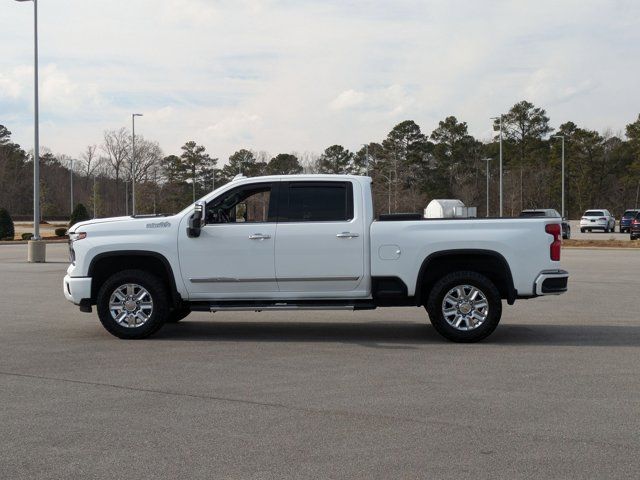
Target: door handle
{"type": "Point", "coordinates": [259, 236]}
{"type": "Point", "coordinates": [347, 235]}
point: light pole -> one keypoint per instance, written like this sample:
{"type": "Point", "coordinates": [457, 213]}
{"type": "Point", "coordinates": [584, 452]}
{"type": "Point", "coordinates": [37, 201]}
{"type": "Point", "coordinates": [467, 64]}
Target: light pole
{"type": "Point", "coordinates": [36, 251]}
{"type": "Point", "coordinates": [366, 162]}
{"type": "Point", "coordinates": [133, 161]}
{"type": "Point", "coordinates": [562, 137]}
{"type": "Point", "coordinates": [500, 120]}
{"type": "Point", "coordinates": [487, 160]}
{"type": "Point", "coordinates": [71, 184]}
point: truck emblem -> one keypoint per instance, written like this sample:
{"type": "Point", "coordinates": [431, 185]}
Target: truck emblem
{"type": "Point", "coordinates": [159, 225]}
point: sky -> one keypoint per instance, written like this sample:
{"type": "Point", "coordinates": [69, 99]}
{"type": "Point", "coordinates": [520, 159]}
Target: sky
{"type": "Point", "coordinates": [299, 76]}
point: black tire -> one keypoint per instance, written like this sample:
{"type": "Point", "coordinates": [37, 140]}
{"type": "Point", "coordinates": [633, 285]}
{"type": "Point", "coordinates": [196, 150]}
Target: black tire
{"type": "Point", "coordinates": [450, 281]}
{"type": "Point", "coordinates": [582, 230]}
{"type": "Point", "coordinates": [176, 315]}
{"type": "Point", "coordinates": [157, 291]}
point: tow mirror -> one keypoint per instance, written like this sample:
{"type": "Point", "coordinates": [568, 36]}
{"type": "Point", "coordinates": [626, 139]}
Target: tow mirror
{"type": "Point", "coordinates": [196, 221]}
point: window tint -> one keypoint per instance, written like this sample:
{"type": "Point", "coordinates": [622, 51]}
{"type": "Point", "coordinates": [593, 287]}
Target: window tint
{"type": "Point", "coordinates": [241, 205]}
{"type": "Point", "coordinates": [593, 213]}
{"type": "Point", "coordinates": [630, 214]}
{"type": "Point", "coordinates": [320, 202]}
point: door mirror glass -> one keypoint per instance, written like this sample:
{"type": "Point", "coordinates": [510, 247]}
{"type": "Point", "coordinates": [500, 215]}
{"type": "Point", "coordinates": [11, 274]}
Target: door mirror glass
{"type": "Point", "coordinates": [196, 221]}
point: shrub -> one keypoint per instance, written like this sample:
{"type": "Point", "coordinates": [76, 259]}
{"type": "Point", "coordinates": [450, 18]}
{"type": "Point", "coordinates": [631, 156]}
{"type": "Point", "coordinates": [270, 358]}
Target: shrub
{"type": "Point", "coordinates": [27, 236]}
{"type": "Point", "coordinates": [60, 232]}
{"type": "Point", "coordinates": [6, 224]}
{"type": "Point", "coordinates": [79, 214]}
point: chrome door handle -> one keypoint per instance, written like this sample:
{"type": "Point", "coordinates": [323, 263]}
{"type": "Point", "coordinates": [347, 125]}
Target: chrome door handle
{"type": "Point", "coordinates": [259, 236]}
{"type": "Point", "coordinates": [347, 235]}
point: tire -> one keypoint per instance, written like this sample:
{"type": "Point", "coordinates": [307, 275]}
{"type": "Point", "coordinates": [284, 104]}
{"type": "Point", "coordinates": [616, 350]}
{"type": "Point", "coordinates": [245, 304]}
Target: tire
{"type": "Point", "coordinates": [176, 315]}
{"type": "Point", "coordinates": [466, 333]}
{"type": "Point", "coordinates": [582, 230]}
{"type": "Point", "coordinates": [115, 293]}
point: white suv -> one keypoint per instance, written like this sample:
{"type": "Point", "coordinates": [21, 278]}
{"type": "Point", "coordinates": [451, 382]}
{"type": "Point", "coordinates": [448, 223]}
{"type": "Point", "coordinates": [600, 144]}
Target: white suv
{"type": "Point", "coordinates": [597, 220]}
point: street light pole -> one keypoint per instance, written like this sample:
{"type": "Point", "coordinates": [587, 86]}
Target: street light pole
{"type": "Point", "coordinates": [36, 249]}
{"type": "Point", "coordinates": [487, 160]}
{"type": "Point", "coordinates": [562, 137]}
{"type": "Point", "coordinates": [500, 120]}
{"type": "Point", "coordinates": [366, 162]}
{"type": "Point", "coordinates": [133, 161]}
{"type": "Point", "coordinates": [71, 184]}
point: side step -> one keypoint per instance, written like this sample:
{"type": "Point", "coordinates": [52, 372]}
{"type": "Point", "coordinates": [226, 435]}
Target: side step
{"type": "Point", "coordinates": [258, 306]}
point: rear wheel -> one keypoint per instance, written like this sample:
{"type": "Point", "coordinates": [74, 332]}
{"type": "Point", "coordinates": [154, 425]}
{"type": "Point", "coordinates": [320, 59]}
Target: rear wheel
{"type": "Point", "coordinates": [582, 230]}
{"type": "Point", "coordinates": [132, 304]}
{"type": "Point", "coordinates": [464, 306]}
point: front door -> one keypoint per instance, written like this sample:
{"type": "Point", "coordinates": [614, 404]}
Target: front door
{"type": "Point", "coordinates": [234, 255]}
{"type": "Point", "coordinates": [319, 239]}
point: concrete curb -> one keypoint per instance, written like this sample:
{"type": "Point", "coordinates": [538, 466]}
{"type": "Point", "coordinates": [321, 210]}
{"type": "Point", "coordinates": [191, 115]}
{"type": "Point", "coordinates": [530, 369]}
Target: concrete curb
{"type": "Point", "coordinates": [24, 242]}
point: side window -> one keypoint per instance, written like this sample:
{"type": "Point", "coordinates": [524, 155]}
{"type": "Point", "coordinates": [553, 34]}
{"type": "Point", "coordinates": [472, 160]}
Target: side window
{"type": "Point", "coordinates": [320, 202]}
{"type": "Point", "coordinates": [248, 204]}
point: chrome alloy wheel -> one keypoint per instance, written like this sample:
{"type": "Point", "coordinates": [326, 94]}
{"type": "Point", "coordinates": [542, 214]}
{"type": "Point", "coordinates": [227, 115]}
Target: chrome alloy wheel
{"type": "Point", "coordinates": [465, 307]}
{"type": "Point", "coordinates": [131, 305]}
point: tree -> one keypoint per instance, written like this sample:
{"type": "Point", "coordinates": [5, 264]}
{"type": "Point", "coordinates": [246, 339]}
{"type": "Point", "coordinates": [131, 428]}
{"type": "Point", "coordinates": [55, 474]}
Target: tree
{"type": "Point", "coordinates": [117, 148]}
{"type": "Point", "coordinates": [195, 160]}
{"type": "Point", "coordinates": [79, 214]}
{"type": "Point", "coordinates": [242, 162]}
{"type": "Point", "coordinates": [524, 126]}
{"type": "Point", "coordinates": [284, 164]}
{"type": "Point", "coordinates": [6, 224]}
{"type": "Point", "coordinates": [335, 159]}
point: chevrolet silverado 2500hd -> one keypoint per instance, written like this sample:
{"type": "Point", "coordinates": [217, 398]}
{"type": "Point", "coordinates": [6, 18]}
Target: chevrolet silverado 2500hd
{"type": "Point", "coordinates": [307, 242]}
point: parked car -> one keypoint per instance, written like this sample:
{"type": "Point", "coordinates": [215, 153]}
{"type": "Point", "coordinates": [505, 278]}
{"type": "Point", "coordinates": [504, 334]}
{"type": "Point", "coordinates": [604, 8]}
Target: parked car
{"type": "Point", "coordinates": [300, 242]}
{"type": "Point", "coordinates": [597, 220]}
{"type": "Point", "coordinates": [627, 218]}
{"type": "Point", "coordinates": [635, 227]}
{"type": "Point", "coordinates": [549, 213]}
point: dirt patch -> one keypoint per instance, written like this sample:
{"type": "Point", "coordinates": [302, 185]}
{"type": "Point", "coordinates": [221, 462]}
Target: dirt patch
{"type": "Point", "coordinates": [601, 243]}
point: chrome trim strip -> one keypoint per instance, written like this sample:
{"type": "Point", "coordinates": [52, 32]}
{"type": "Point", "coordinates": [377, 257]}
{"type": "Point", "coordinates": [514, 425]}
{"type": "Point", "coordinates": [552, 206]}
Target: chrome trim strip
{"type": "Point", "coordinates": [264, 280]}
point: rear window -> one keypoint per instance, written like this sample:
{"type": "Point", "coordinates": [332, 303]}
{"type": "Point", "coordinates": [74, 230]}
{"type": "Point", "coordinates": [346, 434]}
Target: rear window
{"type": "Point", "coordinates": [593, 213]}
{"type": "Point", "coordinates": [320, 202]}
{"type": "Point", "coordinates": [532, 214]}
{"type": "Point", "coordinates": [630, 213]}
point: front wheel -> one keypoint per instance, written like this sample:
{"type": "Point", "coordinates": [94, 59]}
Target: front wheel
{"type": "Point", "coordinates": [464, 306]}
{"type": "Point", "coordinates": [132, 304]}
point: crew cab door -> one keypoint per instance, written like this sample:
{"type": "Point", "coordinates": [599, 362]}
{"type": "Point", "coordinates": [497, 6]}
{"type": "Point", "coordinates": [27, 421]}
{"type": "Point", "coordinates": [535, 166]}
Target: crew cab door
{"type": "Point", "coordinates": [234, 255]}
{"type": "Point", "coordinates": [319, 239]}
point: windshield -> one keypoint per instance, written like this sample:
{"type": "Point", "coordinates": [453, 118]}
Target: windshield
{"type": "Point", "coordinates": [593, 213]}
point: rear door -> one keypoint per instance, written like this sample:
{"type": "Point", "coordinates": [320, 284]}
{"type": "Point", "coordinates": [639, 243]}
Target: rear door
{"type": "Point", "coordinates": [319, 239]}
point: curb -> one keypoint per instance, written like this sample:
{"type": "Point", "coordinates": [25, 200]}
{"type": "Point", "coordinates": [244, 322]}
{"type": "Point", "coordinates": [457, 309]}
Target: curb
{"type": "Point", "coordinates": [24, 242]}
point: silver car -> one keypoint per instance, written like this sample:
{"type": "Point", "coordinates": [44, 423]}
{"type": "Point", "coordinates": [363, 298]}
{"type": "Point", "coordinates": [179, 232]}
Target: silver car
{"type": "Point", "coordinates": [599, 219]}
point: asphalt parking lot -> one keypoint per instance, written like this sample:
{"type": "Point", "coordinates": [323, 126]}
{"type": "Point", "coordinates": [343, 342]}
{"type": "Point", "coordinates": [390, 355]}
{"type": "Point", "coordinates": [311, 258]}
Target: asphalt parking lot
{"type": "Point", "coordinates": [576, 234]}
{"type": "Point", "coordinates": [553, 393]}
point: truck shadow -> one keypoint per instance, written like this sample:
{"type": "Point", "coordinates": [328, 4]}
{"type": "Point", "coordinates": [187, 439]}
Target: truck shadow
{"type": "Point", "coordinates": [398, 335]}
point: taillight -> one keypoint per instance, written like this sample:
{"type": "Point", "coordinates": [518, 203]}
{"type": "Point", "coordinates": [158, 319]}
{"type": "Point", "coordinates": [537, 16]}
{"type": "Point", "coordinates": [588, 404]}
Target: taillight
{"type": "Point", "coordinates": [602, 218]}
{"type": "Point", "coordinates": [555, 230]}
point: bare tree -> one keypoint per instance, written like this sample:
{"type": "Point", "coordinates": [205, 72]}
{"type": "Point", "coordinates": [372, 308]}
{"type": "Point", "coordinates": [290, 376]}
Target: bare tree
{"type": "Point", "coordinates": [116, 146]}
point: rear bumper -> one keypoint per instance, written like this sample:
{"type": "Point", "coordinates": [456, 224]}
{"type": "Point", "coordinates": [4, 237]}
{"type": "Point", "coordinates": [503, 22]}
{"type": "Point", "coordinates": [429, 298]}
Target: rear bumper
{"type": "Point", "coordinates": [551, 282]}
{"type": "Point", "coordinates": [76, 289]}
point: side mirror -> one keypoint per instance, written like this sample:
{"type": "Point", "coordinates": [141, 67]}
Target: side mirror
{"type": "Point", "coordinates": [196, 221]}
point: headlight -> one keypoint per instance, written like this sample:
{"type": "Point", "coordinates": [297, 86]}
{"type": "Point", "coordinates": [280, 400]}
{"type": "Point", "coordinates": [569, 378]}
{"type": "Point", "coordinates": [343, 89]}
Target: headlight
{"type": "Point", "coordinates": [73, 237]}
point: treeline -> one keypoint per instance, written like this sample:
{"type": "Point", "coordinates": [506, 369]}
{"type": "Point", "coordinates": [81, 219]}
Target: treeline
{"type": "Point", "coordinates": [408, 167]}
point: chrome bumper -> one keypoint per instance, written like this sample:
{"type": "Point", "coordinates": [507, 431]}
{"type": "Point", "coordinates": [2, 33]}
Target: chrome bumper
{"type": "Point", "coordinates": [551, 282]}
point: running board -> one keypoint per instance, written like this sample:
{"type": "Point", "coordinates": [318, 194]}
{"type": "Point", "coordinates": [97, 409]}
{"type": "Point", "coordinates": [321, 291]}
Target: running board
{"type": "Point", "coordinates": [253, 306]}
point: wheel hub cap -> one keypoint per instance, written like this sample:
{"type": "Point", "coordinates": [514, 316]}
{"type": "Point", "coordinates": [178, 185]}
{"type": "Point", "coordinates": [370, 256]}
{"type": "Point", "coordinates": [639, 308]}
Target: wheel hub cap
{"type": "Point", "coordinates": [465, 307]}
{"type": "Point", "coordinates": [131, 305]}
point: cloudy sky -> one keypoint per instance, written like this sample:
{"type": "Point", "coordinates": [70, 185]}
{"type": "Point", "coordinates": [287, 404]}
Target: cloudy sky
{"type": "Point", "coordinates": [296, 75]}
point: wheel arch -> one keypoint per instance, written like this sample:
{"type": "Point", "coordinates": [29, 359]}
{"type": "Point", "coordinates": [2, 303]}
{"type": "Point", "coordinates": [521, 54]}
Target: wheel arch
{"type": "Point", "coordinates": [106, 264]}
{"type": "Point", "coordinates": [486, 262]}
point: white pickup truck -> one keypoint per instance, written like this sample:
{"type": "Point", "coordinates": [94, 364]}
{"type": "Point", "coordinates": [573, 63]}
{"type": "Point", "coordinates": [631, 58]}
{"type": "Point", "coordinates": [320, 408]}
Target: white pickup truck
{"type": "Point", "coordinates": [307, 242]}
